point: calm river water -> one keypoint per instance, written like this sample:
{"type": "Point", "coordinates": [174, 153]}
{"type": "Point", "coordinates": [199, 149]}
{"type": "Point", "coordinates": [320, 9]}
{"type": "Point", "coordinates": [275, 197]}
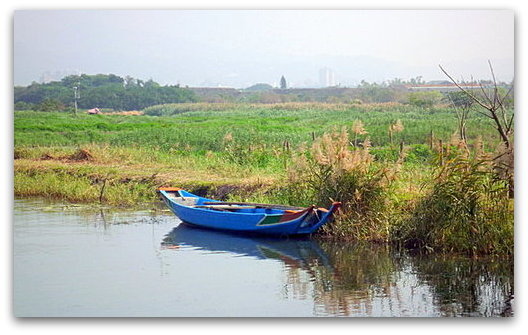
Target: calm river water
{"type": "Point", "coordinates": [75, 261]}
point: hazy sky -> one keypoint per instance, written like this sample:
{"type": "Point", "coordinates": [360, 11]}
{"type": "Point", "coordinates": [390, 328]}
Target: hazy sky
{"type": "Point", "coordinates": [241, 47]}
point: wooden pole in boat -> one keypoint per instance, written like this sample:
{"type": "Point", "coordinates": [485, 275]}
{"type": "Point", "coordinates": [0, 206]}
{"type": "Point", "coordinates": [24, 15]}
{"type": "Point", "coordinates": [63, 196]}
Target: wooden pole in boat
{"type": "Point", "coordinates": [252, 204]}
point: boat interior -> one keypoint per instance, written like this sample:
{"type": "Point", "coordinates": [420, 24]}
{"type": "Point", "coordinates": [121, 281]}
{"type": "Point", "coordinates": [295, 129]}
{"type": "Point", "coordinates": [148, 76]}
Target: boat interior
{"type": "Point", "coordinates": [198, 202]}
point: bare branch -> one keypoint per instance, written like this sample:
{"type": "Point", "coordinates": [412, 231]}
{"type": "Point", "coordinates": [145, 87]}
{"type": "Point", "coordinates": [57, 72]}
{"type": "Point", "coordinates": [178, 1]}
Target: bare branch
{"type": "Point", "coordinates": [494, 79]}
{"type": "Point", "coordinates": [501, 100]}
{"type": "Point", "coordinates": [510, 124]}
{"type": "Point", "coordinates": [504, 110]}
{"type": "Point", "coordinates": [485, 95]}
{"type": "Point", "coordinates": [484, 114]}
{"type": "Point", "coordinates": [503, 126]}
{"type": "Point", "coordinates": [462, 89]}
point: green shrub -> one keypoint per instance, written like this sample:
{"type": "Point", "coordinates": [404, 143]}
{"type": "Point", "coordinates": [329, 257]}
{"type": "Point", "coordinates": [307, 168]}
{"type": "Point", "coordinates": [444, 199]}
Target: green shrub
{"type": "Point", "coordinates": [467, 209]}
{"type": "Point", "coordinates": [22, 105]}
{"type": "Point", "coordinates": [50, 105]}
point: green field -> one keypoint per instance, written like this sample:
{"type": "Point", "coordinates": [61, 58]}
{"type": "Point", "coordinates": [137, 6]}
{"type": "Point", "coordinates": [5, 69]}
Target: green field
{"type": "Point", "coordinates": [228, 151]}
{"type": "Point", "coordinates": [270, 125]}
{"type": "Point", "coordinates": [201, 145]}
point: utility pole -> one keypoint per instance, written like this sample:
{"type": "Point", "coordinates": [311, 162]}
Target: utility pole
{"type": "Point", "coordinates": [76, 96]}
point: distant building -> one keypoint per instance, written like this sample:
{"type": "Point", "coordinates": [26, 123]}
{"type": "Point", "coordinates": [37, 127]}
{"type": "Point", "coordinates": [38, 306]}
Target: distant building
{"type": "Point", "coordinates": [327, 77]}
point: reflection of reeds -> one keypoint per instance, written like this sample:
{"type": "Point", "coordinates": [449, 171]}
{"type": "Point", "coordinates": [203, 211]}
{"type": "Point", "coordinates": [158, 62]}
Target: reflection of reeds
{"type": "Point", "coordinates": [480, 287]}
{"type": "Point", "coordinates": [339, 287]}
{"type": "Point", "coordinates": [369, 280]}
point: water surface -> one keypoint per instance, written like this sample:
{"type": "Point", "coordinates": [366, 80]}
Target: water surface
{"type": "Point", "coordinates": [76, 261]}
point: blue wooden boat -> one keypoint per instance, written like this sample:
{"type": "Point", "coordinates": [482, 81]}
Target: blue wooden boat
{"type": "Point", "coordinates": [245, 217]}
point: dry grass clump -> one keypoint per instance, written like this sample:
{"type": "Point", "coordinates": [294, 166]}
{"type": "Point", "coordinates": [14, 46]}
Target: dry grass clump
{"type": "Point", "coordinates": [358, 128]}
{"type": "Point", "coordinates": [81, 155]}
{"type": "Point", "coordinates": [333, 169]}
{"type": "Point", "coordinates": [333, 151]}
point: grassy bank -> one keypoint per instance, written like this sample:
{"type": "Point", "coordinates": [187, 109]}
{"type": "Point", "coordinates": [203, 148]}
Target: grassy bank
{"type": "Point", "coordinates": [383, 166]}
{"type": "Point", "coordinates": [125, 176]}
{"type": "Point", "coordinates": [198, 146]}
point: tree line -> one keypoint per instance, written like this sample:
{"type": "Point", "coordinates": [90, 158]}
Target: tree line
{"type": "Point", "coordinates": [109, 91]}
{"type": "Point", "coordinates": [101, 91]}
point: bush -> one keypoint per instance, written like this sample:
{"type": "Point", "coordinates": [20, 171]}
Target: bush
{"type": "Point", "coordinates": [419, 153]}
{"type": "Point", "coordinates": [21, 106]}
{"type": "Point", "coordinates": [466, 210]}
{"type": "Point", "coordinates": [415, 153]}
{"type": "Point", "coordinates": [334, 170]}
{"type": "Point", "coordinates": [50, 105]}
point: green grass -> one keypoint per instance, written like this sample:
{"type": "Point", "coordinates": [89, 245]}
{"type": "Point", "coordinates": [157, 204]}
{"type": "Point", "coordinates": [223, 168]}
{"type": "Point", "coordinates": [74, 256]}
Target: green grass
{"type": "Point", "coordinates": [261, 124]}
{"type": "Point", "coordinates": [189, 143]}
{"type": "Point", "coordinates": [227, 151]}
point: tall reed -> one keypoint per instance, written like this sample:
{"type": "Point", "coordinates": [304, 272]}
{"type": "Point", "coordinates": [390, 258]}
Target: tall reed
{"type": "Point", "coordinates": [333, 169]}
{"type": "Point", "coordinates": [467, 208]}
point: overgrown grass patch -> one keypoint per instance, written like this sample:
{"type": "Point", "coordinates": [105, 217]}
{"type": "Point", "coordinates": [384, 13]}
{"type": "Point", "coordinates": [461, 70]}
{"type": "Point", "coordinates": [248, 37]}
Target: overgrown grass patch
{"type": "Point", "coordinates": [466, 209]}
{"type": "Point", "coordinates": [381, 167]}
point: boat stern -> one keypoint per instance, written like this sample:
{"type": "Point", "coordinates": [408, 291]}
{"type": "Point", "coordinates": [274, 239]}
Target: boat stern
{"type": "Point", "coordinates": [321, 217]}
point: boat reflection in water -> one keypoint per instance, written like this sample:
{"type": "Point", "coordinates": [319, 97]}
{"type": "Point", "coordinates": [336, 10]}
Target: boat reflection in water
{"type": "Point", "coordinates": [353, 279]}
{"type": "Point", "coordinates": [294, 252]}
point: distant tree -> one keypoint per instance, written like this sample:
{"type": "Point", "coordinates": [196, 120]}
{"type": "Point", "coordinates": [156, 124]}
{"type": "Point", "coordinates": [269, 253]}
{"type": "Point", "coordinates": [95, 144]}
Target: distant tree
{"type": "Point", "coordinates": [260, 87]}
{"type": "Point", "coordinates": [283, 85]}
{"type": "Point", "coordinates": [50, 105]}
{"type": "Point", "coordinates": [417, 81]}
{"type": "Point", "coordinates": [130, 82]}
{"type": "Point", "coordinates": [101, 90]}
{"type": "Point", "coordinates": [22, 105]}
{"type": "Point", "coordinates": [396, 82]}
{"type": "Point", "coordinates": [151, 83]}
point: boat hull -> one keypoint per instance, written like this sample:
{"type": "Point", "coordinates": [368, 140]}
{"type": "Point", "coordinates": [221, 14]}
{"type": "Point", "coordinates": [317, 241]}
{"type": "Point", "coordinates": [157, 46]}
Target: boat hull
{"type": "Point", "coordinates": [246, 219]}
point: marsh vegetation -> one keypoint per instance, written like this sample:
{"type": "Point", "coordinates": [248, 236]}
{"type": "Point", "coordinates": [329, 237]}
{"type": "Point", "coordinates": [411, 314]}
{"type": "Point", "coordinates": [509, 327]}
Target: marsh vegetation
{"type": "Point", "coordinates": [403, 171]}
